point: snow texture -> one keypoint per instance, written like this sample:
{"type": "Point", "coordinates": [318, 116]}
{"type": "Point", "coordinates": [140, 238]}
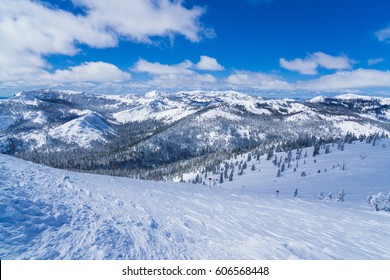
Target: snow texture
{"type": "Point", "coordinates": [47, 213]}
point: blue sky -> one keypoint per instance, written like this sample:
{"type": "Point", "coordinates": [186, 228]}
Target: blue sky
{"type": "Point", "coordinates": [288, 47]}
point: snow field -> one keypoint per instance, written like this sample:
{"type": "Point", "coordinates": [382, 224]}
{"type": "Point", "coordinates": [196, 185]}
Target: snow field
{"type": "Point", "coordinates": [47, 213]}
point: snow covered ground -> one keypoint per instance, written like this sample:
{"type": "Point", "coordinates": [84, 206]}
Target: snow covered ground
{"type": "Point", "coordinates": [47, 213]}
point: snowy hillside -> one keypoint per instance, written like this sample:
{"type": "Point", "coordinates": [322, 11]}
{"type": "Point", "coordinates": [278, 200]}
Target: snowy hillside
{"type": "Point", "coordinates": [47, 213]}
{"type": "Point", "coordinates": [83, 130]}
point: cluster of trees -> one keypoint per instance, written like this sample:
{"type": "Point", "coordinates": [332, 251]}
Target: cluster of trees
{"type": "Point", "coordinates": [379, 201]}
{"type": "Point", "coordinates": [239, 163]}
{"type": "Point", "coordinates": [329, 197]}
{"type": "Point", "coordinates": [158, 159]}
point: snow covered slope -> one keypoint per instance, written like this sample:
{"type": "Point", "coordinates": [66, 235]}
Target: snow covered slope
{"type": "Point", "coordinates": [83, 130]}
{"type": "Point", "coordinates": [47, 213]}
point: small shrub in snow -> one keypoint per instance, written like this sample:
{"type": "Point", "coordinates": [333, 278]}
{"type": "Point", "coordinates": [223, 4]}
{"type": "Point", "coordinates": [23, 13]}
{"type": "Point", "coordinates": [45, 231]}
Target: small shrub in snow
{"type": "Point", "coordinates": [341, 196]}
{"type": "Point", "coordinates": [320, 196]}
{"type": "Point", "coordinates": [379, 202]}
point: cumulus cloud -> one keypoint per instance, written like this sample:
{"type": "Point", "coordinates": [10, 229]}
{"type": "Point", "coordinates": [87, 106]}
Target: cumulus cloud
{"type": "Point", "coordinates": [256, 80]}
{"type": "Point", "coordinates": [209, 63]}
{"type": "Point", "coordinates": [96, 72]}
{"type": "Point", "coordinates": [174, 81]}
{"type": "Point", "coordinates": [187, 75]}
{"type": "Point", "coordinates": [156, 68]}
{"type": "Point", "coordinates": [356, 79]}
{"type": "Point", "coordinates": [31, 31]}
{"type": "Point", "coordinates": [86, 73]}
{"type": "Point", "coordinates": [312, 62]}
{"type": "Point", "coordinates": [141, 19]}
{"type": "Point", "coordinates": [172, 76]}
{"type": "Point", "coordinates": [303, 66]}
{"type": "Point", "coordinates": [383, 35]}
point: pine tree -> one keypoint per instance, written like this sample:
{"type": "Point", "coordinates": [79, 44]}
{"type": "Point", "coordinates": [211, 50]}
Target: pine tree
{"type": "Point", "coordinates": [316, 150]}
{"type": "Point", "coordinates": [270, 154]}
{"type": "Point", "coordinates": [231, 176]}
{"type": "Point", "coordinates": [296, 193]}
{"type": "Point", "coordinates": [280, 161]}
{"type": "Point", "coordinates": [225, 171]}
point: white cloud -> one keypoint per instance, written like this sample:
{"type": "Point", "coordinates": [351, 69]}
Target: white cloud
{"type": "Point", "coordinates": [185, 75]}
{"type": "Point", "coordinates": [374, 61]}
{"type": "Point", "coordinates": [383, 35]}
{"type": "Point", "coordinates": [29, 27]}
{"type": "Point", "coordinates": [31, 31]}
{"type": "Point", "coordinates": [95, 72]}
{"type": "Point", "coordinates": [141, 19]}
{"type": "Point", "coordinates": [186, 67]}
{"type": "Point", "coordinates": [303, 66]}
{"type": "Point", "coordinates": [309, 64]}
{"type": "Point", "coordinates": [256, 80]}
{"type": "Point", "coordinates": [332, 62]}
{"type": "Point", "coordinates": [356, 79]}
{"type": "Point", "coordinates": [173, 76]}
{"type": "Point", "coordinates": [156, 68]}
{"type": "Point", "coordinates": [182, 81]}
{"type": "Point", "coordinates": [87, 73]}
{"type": "Point", "coordinates": [209, 63]}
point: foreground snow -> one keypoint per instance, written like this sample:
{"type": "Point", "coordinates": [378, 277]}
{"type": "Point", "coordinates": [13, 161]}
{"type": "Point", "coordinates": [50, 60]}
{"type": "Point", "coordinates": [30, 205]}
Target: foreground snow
{"type": "Point", "coordinates": [55, 214]}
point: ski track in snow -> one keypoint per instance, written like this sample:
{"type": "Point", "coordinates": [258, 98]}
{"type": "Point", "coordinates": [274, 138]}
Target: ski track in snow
{"type": "Point", "coordinates": [47, 213]}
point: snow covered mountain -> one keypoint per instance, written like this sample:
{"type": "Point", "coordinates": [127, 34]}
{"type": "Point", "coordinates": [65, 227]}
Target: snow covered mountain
{"type": "Point", "coordinates": [83, 130]}
{"type": "Point", "coordinates": [47, 213]}
{"type": "Point", "coordinates": [132, 132]}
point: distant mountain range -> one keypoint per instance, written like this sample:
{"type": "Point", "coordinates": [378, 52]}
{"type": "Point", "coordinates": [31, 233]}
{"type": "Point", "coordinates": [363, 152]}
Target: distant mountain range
{"type": "Point", "coordinates": [109, 133]}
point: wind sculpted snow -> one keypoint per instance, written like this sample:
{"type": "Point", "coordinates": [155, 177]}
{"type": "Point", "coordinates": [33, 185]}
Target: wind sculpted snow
{"type": "Point", "coordinates": [47, 213]}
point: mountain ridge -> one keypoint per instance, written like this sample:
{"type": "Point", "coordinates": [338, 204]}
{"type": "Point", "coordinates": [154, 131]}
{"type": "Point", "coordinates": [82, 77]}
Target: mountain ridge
{"type": "Point", "coordinates": [145, 132]}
